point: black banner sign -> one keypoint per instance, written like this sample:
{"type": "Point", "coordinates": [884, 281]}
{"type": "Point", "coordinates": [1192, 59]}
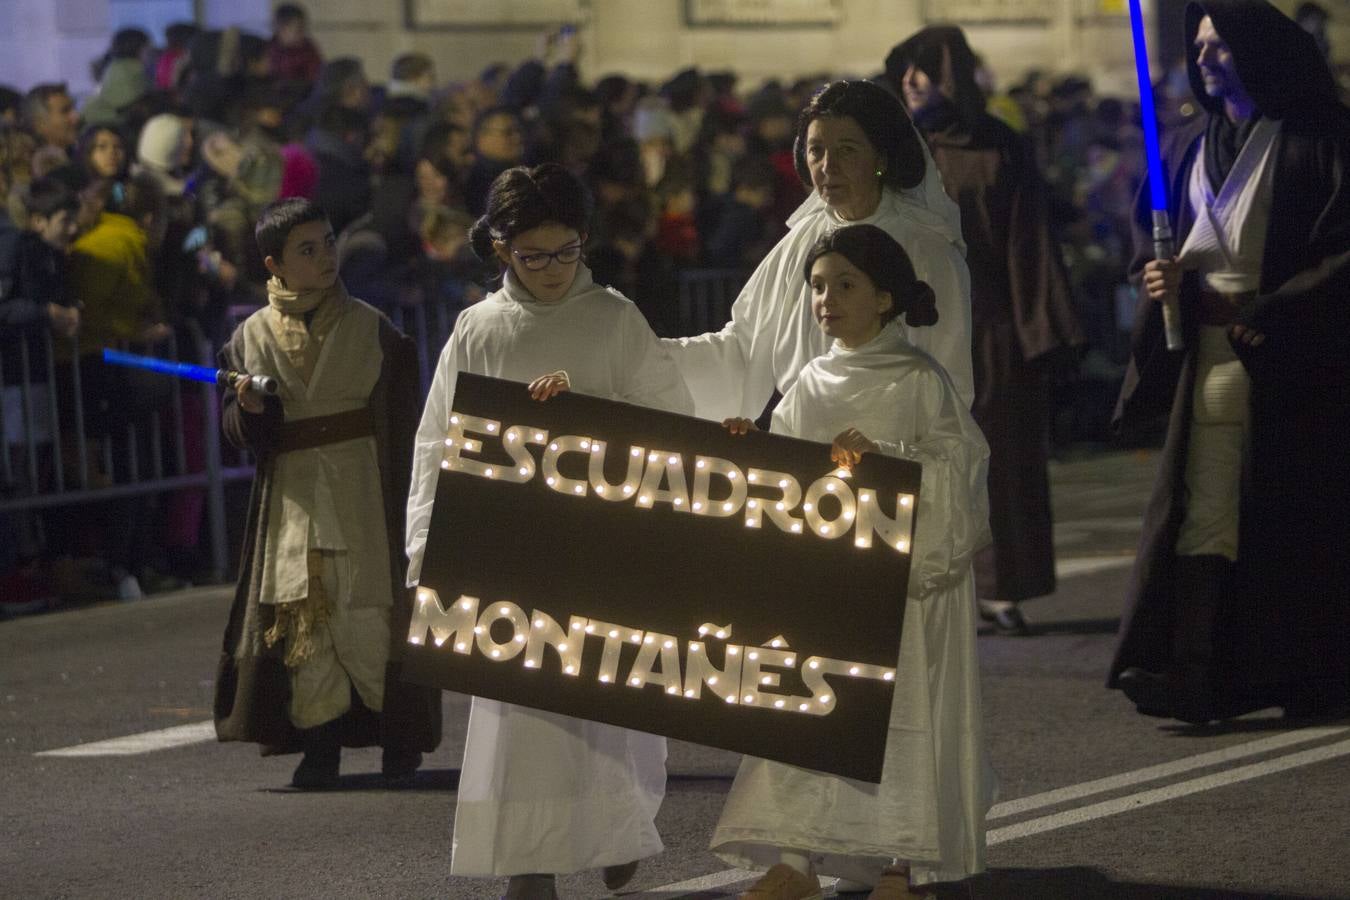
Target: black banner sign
{"type": "Point", "coordinates": [649, 570]}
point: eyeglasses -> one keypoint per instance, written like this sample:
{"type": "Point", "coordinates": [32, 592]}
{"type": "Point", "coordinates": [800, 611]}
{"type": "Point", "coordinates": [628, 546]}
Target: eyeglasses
{"type": "Point", "coordinates": [538, 261]}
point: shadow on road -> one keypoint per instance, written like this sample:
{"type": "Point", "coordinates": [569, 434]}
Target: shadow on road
{"type": "Point", "coordinates": [448, 780]}
{"type": "Point", "coordinates": [1270, 720]}
{"type": "Point", "coordinates": [426, 780]}
{"type": "Point", "coordinates": [1073, 626]}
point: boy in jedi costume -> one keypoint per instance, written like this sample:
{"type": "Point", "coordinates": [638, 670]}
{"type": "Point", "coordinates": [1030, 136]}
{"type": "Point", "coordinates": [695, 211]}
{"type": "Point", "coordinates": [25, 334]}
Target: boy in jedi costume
{"type": "Point", "coordinates": [307, 662]}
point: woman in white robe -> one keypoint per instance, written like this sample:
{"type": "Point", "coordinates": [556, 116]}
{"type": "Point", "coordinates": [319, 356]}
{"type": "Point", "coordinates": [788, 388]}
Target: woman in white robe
{"type": "Point", "coordinates": [881, 394]}
{"type": "Point", "coordinates": [542, 793]}
{"type": "Point", "coordinates": [865, 164]}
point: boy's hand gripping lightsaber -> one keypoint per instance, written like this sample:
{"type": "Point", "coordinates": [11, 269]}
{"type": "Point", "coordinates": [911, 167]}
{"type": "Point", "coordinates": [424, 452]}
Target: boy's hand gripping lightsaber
{"type": "Point", "coordinates": [1162, 228]}
{"type": "Point", "coordinates": [227, 377]}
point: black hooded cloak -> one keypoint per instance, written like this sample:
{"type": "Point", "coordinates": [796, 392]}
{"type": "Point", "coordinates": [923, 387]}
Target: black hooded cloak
{"type": "Point", "coordinates": [1283, 634]}
{"type": "Point", "coordinates": [1021, 307]}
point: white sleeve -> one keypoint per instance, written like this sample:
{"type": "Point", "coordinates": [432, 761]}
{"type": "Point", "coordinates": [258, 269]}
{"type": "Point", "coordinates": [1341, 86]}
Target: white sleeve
{"type": "Point", "coordinates": [939, 263]}
{"type": "Point", "coordinates": [953, 516]}
{"type": "Point", "coordinates": [650, 376]}
{"type": "Point", "coordinates": [429, 452]}
{"type": "Point", "coordinates": [729, 372]}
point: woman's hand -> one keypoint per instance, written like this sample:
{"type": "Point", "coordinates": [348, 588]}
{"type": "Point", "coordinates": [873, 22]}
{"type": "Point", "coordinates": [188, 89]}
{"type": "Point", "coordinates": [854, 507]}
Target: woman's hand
{"type": "Point", "coordinates": [739, 426]}
{"type": "Point", "coordinates": [849, 447]}
{"type": "Point", "coordinates": [549, 386]}
{"type": "Point", "coordinates": [1162, 280]}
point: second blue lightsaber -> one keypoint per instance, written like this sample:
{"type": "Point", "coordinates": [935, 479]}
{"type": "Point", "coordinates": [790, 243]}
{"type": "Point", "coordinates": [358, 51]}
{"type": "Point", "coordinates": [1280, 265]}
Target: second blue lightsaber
{"type": "Point", "coordinates": [226, 377]}
{"type": "Point", "coordinates": [1157, 185]}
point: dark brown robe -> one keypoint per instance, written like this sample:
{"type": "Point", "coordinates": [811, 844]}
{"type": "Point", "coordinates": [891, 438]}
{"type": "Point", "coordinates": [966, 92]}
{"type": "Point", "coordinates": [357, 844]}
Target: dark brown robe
{"type": "Point", "coordinates": [253, 689]}
{"type": "Point", "coordinates": [1283, 636]}
{"type": "Point", "coordinates": [1022, 322]}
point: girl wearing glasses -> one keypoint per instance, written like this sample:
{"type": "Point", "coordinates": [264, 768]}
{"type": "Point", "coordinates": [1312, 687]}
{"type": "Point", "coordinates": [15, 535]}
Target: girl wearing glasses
{"type": "Point", "coordinates": [542, 793]}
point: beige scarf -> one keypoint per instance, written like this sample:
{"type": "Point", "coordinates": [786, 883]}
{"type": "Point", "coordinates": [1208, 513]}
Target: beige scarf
{"type": "Point", "coordinates": [287, 309]}
{"type": "Point", "coordinates": [302, 344]}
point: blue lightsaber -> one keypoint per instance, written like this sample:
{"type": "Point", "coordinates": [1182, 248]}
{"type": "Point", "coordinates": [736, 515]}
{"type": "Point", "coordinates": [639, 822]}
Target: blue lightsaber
{"type": "Point", "coordinates": [1157, 187]}
{"type": "Point", "coordinates": [226, 377]}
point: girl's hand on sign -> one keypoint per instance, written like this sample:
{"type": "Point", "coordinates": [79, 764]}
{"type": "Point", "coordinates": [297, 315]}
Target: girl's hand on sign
{"type": "Point", "coordinates": [549, 386]}
{"type": "Point", "coordinates": [740, 426]}
{"type": "Point", "coordinates": [849, 447]}
{"type": "Point", "coordinates": [1162, 279]}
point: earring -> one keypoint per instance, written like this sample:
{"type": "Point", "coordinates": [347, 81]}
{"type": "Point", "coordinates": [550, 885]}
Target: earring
{"type": "Point", "coordinates": [878, 173]}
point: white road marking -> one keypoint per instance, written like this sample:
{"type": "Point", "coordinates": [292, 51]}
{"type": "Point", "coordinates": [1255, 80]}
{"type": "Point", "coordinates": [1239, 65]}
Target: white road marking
{"type": "Point", "coordinates": [1164, 770]}
{"type": "Point", "coordinates": [1086, 565]}
{"type": "Point", "coordinates": [1163, 794]}
{"type": "Point", "coordinates": [710, 883]}
{"type": "Point", "coordinates": [1129, 524]}
{"type": "Point", "coordinates": [147, 742]}
{"type": "Point", "coordinates": [728, 877]}
{"type": "Point", "coordinates": [701, 883]}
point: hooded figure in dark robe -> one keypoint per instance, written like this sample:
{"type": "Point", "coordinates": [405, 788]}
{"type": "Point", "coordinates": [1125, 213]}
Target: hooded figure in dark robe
{"type": "Point", "coordinates": [1023, 320]}
{"type": "Point", "coordinates": [1264, 621]}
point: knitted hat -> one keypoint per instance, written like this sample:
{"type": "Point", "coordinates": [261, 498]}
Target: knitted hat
{"type": "Point", "coordinates": [161, 142]}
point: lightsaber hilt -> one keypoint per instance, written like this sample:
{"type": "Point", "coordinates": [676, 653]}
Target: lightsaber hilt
{"type": "Point", "coordinates": [1162, 249]}
{"type": "Point", "coordinates": [231, 379]}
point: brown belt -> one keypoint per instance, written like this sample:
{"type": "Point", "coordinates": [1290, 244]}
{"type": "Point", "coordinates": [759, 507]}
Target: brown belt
{"type": "Point", "coordinates": [316, 431]}
{"type": "Point", "coordinates": [1218, 308]}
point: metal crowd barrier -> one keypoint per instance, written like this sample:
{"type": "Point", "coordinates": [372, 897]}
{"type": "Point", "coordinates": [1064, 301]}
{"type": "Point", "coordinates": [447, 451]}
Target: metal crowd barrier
{"type": "Point", "coordinates": [36, 456]}
{"type": "Point", "coordinates": [705, 298]}
{"type": "Point", "coordinates": [41, 467]}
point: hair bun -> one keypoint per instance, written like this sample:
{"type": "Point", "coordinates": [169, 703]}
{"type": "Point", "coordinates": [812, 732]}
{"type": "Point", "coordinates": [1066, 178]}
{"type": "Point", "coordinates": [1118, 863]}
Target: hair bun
{"type": "Point", "coordinates": [922, 307]}
{"type": "Point", "coordinates": [480, 240]}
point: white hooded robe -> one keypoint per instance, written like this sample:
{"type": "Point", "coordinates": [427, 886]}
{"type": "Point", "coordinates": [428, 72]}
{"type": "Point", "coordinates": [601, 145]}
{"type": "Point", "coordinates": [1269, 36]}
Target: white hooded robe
{"type": "Point", "coordinates": [771, 335]}
{"type": "Point", "coordinates": [541, 792]}
{"type": "Point", "coordinates": [936, 783]}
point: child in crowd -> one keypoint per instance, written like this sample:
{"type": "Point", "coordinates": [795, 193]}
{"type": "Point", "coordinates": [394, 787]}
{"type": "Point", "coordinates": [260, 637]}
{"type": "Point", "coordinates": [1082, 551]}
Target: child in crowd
{"type": "Point", "coordinates": [446, 272]}
{"type": "Point", "coordinates": [292, 55]}
{"type": "Point", "coordinates": [308, 662]}
{"type": "Point", "coordinates": [873, 392]}
{"type": "Point", "coordinates": [541, 792]}
{"type": "Point", "coordinates": [33, 288]}
{"type": "Point", "coordinates": [33, 299]}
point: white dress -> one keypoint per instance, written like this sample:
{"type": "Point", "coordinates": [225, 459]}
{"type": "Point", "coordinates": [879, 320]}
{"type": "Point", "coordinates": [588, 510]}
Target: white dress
{"type": "Point", "coordinates": [936, 783]}
{"type": "Point", "coordinates": [771, 335]}
{"type": "Point", "coordinates": [541, 792]}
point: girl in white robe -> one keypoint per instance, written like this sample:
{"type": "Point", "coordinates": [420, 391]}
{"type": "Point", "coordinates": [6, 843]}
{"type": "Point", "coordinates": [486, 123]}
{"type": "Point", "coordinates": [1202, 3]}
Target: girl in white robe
{"type": "Point", "coordinates": [875, 392]}
{"type": "Point", "coordinates": [771, 335]}
{"type": "Point", "coordinates": [542, 793]}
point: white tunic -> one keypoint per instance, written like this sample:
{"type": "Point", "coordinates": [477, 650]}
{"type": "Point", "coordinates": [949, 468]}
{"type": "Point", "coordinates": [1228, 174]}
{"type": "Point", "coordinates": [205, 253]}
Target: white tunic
{"type": "Point", "coordinates": [541, 792]}
{"type": "Point", "coordinates": [936, 782]}
{"type": "Point", "coordinates": [772, 335]}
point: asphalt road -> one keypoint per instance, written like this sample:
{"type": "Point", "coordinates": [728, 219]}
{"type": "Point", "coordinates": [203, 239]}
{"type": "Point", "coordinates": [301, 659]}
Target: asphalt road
{"type": "Point", "coordinates": [1096, 801]}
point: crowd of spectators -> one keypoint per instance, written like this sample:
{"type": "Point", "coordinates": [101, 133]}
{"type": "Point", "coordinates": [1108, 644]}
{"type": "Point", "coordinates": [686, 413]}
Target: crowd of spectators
{"type": "Point", "coordinates": [130, 219]}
